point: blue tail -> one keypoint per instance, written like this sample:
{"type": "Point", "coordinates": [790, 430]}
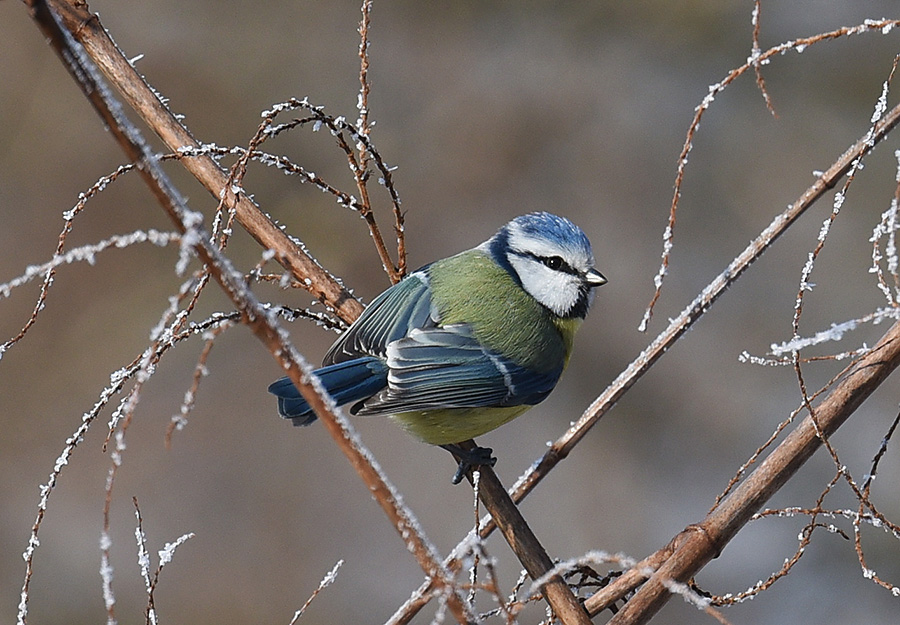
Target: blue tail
{"type": "Point", "coordinates": [346, 382]}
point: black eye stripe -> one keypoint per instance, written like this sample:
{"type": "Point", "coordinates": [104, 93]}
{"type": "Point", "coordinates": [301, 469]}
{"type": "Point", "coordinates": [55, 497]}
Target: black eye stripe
{"type": "Point", "coordinates": [557, 263]}
{"type": "Point", "coordinates": [554, 262]}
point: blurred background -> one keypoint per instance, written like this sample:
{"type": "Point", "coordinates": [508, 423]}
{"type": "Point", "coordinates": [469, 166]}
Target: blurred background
{"type": "Point", "coordinates": [489, 110]}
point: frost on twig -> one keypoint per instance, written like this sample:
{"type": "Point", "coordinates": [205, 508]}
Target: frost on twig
{"type": "Point", "coordinates": [884, 264]}
{"type": "Point", "coordinates": [327, 581]}
{"type": "Point", "coordinates": [164, 556]}
{"type": "Point", "coordinates": [85, 253]}
{"type": "Point", "coordinates": [884, 267]}
{"type": "Point", "coordinates": [354, 141]}
{"type": "Point", "coordinates": [756, 60]}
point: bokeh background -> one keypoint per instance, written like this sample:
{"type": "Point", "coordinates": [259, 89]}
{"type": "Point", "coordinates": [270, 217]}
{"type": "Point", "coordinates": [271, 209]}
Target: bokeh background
{"type": "Point", "coordinates": [489, 109]}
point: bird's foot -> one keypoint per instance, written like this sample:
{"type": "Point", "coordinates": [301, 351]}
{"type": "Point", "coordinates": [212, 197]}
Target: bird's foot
{"type": "Point", "coordinates": [469, 459]}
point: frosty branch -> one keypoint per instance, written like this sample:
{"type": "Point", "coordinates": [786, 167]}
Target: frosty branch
{"type": "Point", "coordinates": [254, 314]}
{"type": "Point", "coordinates": [234, 203]}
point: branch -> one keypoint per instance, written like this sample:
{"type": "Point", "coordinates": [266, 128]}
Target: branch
{"type": "Point", "coordinates": [700, 543]}
{"type": "Point", "coordinates": [526, 546]}
{"type": "Point", "coordinates": [86, 28]}
{"type": "Point", "coordinates": [676, 328]}
{"type": "Point", "coordinates": [254, 314]}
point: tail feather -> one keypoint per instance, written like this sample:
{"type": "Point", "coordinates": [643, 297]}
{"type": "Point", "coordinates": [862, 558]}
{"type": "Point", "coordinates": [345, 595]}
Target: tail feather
{"type": "Point", "coordinates": [346, 382]}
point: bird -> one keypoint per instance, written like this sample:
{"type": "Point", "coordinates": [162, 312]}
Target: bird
{"type": "Point", "coordinates": [464, 344]}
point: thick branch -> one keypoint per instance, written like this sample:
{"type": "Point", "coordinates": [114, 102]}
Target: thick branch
{"type": "Point", "coordinates": [526, 546]}
{"type": "Point", "coordinates": [86, 28]}
{"type": "Point", "coordinates": [702, 542]}
{"type": "Point", "coordinates": [254, 314]}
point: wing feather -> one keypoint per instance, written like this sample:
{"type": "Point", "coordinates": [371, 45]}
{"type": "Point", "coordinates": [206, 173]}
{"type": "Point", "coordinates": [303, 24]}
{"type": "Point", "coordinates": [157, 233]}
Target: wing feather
{"type": "Point", "coordinates": [389, 317]}
{"type": "Point", "coordinates": [445, 367]}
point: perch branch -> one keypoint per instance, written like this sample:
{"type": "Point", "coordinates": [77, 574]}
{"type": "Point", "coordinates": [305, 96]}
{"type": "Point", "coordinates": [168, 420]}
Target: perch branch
{"type": "Point", "coordinates": [676, 328]}
{"type": "Point", "coordinates": [526, 546]}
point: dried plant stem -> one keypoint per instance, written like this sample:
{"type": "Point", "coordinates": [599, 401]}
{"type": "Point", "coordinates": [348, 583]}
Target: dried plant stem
{"type": "Point", "coordinates": [676, 328]}
{"type": "Point", "coordinates": [85, 27]}
{"type": "Point", "coordinates": [232, 282]}
{"type": "Point", "coordinates": [700, 543]}
{"type": "Point", "coordinates": [361, 175]}
{"type": "Point", "coordinates": [526, 545]}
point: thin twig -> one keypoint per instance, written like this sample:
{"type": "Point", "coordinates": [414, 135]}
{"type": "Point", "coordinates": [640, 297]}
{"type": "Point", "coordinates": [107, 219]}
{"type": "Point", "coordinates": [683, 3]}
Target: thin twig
{"type": "Point", "coordinates": [328, 580]}
{"type": "Point", "coordinates": [676, 328]}
{"type": "Point", "coordinates": [50, 271]}
{"type": "Point", "coordinates": [365, 128]}
{"type": "Point", "coordinates": [754, 62]}
{"type": "Point", "coordinates": [254, 313]}
{"type": "Point", "coordinates": [754, 56]}
{"type": "Point", "coordinates": [358, 163]}
{"type": "Point", "coordinates": [701, 542]}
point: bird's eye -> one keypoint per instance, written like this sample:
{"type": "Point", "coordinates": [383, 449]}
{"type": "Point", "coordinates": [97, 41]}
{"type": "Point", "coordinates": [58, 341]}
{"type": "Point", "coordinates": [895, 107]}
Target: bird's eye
{"type": "Point", "coordinates": [553, 262]}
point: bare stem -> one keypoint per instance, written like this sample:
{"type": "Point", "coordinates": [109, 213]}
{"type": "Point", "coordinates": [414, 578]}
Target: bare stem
{"type": "Point", "coordinates": [254, 314]}
{"type": "Point", "coordinates": [700, 543]}
{"type": "Point", "coordinates": [85, 27]}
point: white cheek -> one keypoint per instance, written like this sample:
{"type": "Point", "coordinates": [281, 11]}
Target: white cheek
{"type": "Point", "coordinates": [556, 290]}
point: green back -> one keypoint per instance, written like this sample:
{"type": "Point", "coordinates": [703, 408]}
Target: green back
{"type": "Point", "coordinates": [471, 288]}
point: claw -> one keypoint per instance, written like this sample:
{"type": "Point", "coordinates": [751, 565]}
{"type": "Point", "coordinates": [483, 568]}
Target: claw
{"type": "Point", "coordinates": [469, 459]}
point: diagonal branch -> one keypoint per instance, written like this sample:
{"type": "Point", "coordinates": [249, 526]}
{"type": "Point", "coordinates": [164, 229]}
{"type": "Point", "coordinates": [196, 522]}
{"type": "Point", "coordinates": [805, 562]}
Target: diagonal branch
{"type": "Point", "coordinates": [526, 546]}
{"type": "Point", "coordinates": [700, 543]}
{"type": "Point", "coordinates": [254, 313]}
{"type": "Point", "coordinates": [561, 448]}
{"type": "Point", "coordinates": [86, 28]}
{"type": "Point", "coordinates": [703, 301]}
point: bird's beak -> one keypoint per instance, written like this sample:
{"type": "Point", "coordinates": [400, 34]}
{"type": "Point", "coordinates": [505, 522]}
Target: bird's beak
{"type": "Point", "coordinates": [595, 278]}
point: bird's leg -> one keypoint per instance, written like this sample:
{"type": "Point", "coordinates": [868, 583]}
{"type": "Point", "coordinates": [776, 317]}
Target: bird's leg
{"type": "Point", "coordinates": [469, 458]}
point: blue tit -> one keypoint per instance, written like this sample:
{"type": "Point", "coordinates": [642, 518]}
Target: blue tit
{"type": "Point", "coordinates": [467, 343]}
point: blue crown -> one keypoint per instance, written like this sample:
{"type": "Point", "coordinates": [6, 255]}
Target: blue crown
{"type": "Point", "coordinates": [554, 228]}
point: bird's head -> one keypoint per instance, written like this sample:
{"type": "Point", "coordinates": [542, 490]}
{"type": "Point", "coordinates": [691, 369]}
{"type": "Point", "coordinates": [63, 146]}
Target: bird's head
{"type": "Point", "coordinates": [551, 258]}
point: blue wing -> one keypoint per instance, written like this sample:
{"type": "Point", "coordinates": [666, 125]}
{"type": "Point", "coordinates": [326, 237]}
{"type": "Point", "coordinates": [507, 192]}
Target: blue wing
{"type": "Point", "coordinates": [389, 317]}
{"type": "Point", "coordinates": [446, 367]}
{"type": "Point", "coordinates": [420, 365]}
{"type": "Point", "coordinates": [355, 366]}
{"type": "Point", "coordinates": [346, 382]}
